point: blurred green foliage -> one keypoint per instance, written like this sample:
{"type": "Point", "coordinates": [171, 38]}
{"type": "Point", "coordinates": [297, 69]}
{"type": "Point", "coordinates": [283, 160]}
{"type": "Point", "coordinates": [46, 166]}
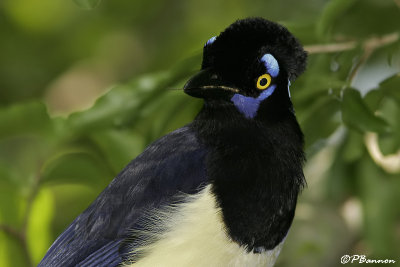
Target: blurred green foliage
{"type": "Point", "coordinates": [64, 135]}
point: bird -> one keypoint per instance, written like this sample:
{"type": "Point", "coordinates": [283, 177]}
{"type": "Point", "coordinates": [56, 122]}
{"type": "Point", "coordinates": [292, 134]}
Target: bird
{"type": "Point", "coordinates": [220, 191]}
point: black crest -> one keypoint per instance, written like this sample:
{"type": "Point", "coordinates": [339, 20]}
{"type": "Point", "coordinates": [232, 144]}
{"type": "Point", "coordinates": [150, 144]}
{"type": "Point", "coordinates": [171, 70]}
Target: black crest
{"type": "Point", "coordinates": [248, 38]}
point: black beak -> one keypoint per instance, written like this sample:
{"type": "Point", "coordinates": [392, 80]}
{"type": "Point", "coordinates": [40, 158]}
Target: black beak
{"type": "Point", "coordinates": [207, 84]}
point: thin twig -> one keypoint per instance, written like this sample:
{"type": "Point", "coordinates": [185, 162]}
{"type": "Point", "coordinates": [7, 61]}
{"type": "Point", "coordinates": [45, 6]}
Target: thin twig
{"type": "Point", "coordinates": [371, 43]}
{"type": "Point", "coordinates": [330, 48]}
{"type": "Point", "coordinates": [354, 70]}
{"type": "Point", "coordinates": [369, 46]}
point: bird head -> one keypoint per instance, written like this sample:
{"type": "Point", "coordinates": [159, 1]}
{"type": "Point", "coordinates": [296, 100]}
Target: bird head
{"type": "Point", "coordinates": [249, 65]}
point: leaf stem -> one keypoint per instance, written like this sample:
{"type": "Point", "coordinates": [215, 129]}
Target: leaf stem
{"type": "Point", "coordinates": [21, 238]}
{"type": "Point", "coordinates": [30, 200]}
{"type": "Point", "coordinates": [20, 235]}
{"type": "Point", "coordinates": [11, 231]}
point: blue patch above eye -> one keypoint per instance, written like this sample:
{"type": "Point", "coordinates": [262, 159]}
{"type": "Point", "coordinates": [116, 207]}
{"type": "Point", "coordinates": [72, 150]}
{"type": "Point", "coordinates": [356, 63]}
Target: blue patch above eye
{"type": "Point", "coordinates": [211, 40]}
{"type": "Point", "coordinates": [271, 64]}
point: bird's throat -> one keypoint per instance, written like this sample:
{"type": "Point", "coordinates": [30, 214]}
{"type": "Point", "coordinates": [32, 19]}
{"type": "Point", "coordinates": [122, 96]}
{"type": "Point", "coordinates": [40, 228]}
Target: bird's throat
{"type": "Point", "coordinates": [256, 172]}
{"type": "Point", "coordinates": [247, 105]}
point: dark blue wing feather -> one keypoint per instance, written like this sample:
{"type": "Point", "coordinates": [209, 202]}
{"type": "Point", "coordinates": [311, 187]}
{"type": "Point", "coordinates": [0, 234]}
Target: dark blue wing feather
{"type": "Point", "coordinates": [175, 163]}
{"type": "Point", "coordinates": [107, 255]}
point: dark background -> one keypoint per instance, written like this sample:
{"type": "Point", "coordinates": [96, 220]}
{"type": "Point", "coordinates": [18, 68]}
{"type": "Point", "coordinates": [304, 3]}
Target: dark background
{"type": "Point", "coordinates": [86, 85]}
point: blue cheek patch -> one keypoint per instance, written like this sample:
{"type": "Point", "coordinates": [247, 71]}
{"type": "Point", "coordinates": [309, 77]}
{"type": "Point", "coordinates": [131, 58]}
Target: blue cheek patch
{"type": "Point", "coordinates": [211, 40]}
{"type": "Point", "coordinates": [248, 106]}
{"type": "Point", "coordinates": [271, 64]}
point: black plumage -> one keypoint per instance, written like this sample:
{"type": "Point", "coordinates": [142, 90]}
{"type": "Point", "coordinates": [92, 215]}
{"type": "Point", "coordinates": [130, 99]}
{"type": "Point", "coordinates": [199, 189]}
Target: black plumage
{"type": "Point", "coordinates": [149, 181]}
{"type": "Point", "coordinates": [253, 164]}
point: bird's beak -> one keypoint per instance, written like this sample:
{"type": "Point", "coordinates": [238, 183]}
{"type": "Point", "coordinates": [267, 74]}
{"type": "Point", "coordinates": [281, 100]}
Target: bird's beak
{"type": "Point", "coordinates": [207, 84]}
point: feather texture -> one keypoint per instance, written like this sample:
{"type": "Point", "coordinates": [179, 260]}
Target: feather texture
{"type": "Point", "coordinates": [193, 234]}
{"type": "Point", "coordinates": [168, 167]}
{"type": "Point", "coordinates": [221, 191]}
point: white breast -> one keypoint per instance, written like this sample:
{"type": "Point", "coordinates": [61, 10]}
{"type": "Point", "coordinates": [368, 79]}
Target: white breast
{"type": "Point", "coordinates": [196, 236]}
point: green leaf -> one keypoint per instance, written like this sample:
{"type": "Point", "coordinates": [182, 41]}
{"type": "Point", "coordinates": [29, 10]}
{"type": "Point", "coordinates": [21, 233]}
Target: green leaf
{"type": "Point", "coordinates": [118, 146]}
{"type": "Point", "coordinates": [326, 73]}
{"type": "Point", "coordinates": [340, 183]}
{"type": "Point", "coordinates": [24, 118]}
{"type": "Point", "coordinates": [39, 236]}
{"type": "Point", "coordinates": [391, 86]}
{"type": "Point", "coordinates": [12, 207]}
{"type": "Point", "coordinates": [87, 4]}
{"type": "Point", "coordinates": [357, 115]}
{"type": "Point", "coordinates": [11, 251]}
{"type": "Point", "coordinates": [365, 19]}
{"type": "Point", "coordinates": [332, 11]}
{"type": "Point", "coordinates": [321, 112]}
{"type": "Point", "coordinates": [373, 99]}
{"type": "Point", "coordinates": [182, 111]}
{"type": "Point", "coordinates": [386, 99]}
{"type": "Point", "coordinates": [23, 155]}
{"type": "Point", "coordinates": [378, 192]}
{"type": "Point", "coordinates": [353, 147]}
{"type": "Point", "coordinates": [70, 200]}
{"type": "Point", "coordinates": [76, 167]}
{"type": "Point", "coordinates": [111, 110]}
{"type": "Point", "coordinates": [11, 200]}
{"type": "Point", "coordinates": [122, 106]}
{"type": "Point", "coordinates": [178, 109]}
{"type": "Point", "coordinates": [390, 143]}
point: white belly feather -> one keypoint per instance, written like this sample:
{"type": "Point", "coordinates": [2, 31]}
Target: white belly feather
{"type": "Point", "coordinates": [196, 236]}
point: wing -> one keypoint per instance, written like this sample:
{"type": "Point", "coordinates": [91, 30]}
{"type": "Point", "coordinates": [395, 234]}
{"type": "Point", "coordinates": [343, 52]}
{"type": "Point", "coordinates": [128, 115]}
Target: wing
{"type": "Point", "coordinates": [173, 164]}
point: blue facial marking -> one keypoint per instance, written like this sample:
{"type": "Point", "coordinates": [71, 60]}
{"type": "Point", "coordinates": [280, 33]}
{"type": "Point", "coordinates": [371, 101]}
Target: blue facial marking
{"type": "Point", "coordinates": [247, 105]}
{"type": "Point", "coordinates": [211, 40]}
{"type": "Point", "coordinates": [271, 64]}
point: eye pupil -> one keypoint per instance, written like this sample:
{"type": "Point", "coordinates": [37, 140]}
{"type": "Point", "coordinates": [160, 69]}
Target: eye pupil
{"type": "Point", "coordinates": [263, 81]}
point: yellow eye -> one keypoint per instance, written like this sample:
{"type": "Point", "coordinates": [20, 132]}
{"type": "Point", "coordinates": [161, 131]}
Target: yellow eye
{"type": "Point", "coordinates": [264, 81]}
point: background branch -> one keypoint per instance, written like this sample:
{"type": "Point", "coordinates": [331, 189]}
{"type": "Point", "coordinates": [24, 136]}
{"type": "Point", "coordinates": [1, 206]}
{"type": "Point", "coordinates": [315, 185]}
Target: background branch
{"type": "Point", "coordinates": [390, 163]}
{"type": "Point", "coordinates": [368, 45]}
